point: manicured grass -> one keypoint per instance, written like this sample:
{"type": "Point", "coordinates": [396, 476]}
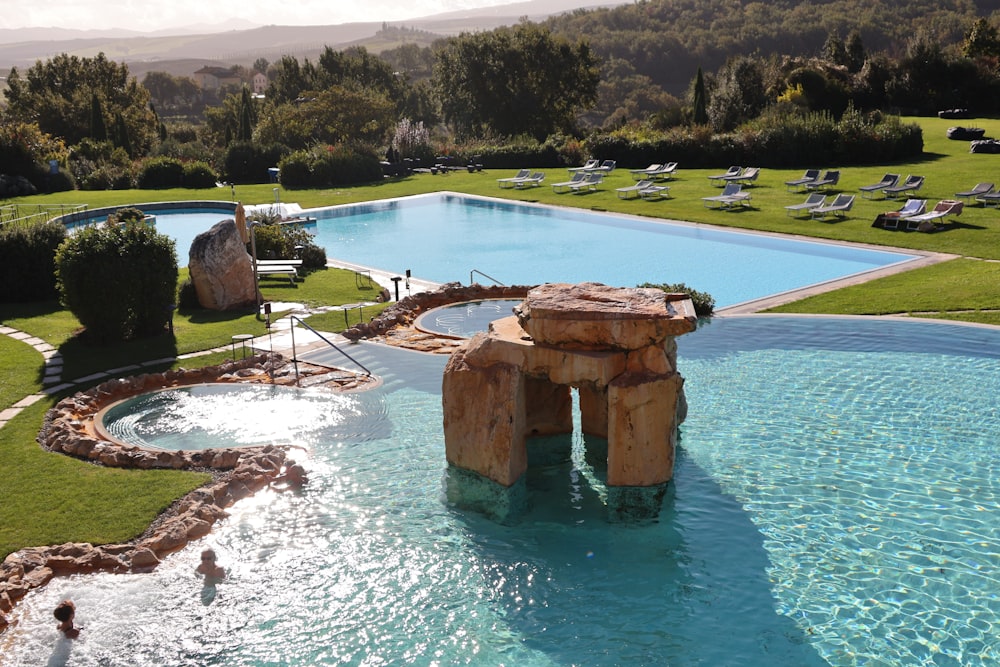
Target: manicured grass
{"type": "Point", "coordinates": [51, 498]}
{"type": "Point", "coordinates": [961, 285]}
{"type": "Point", "coordinates": [20, 376]}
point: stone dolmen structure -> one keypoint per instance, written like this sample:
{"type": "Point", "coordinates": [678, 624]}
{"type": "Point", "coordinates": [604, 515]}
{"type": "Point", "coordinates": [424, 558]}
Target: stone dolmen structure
{"type": "Point", "coordinates": [615, 346]}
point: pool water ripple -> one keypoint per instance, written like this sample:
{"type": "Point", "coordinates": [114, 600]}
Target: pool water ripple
{"type": "Point", "coordinates": [834, 503]}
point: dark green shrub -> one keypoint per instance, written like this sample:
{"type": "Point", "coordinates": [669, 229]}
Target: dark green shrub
{"type": "Point", "coordinates": [704, 303]}
{"type": "Point", "coordinates": [275, 241]}
{"type": "Point", "coordinates": [15, 186]}
{"type": "Point", "coordinates": [118, 280]}
{"type": "Point", "coordinates": [246, 162]}
{"type": "Point", "coordinates": [160, 173]}
{"type": "Point", "coordinates": [328, 166]}
{"type": "Point", "coordinates": [27, 261]}
{"type": "Point", "coordinates": [187, 297]}
{"type": "Point", "coordinates": [198, 175]}
{"type": "Point", "coordinates": [126, 215]}
{"type": "Point", "coordinates": [61, 181]}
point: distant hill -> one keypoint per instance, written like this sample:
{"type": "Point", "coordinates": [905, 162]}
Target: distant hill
{"type": "Point", "coordinates": [141, 51]}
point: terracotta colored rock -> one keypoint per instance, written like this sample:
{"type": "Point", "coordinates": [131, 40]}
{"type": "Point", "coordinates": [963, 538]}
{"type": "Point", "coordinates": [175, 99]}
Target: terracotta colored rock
{"type": "Point", "coordinates": [144, 560]}
{"type": "Point", "coordinates": [221, 269]}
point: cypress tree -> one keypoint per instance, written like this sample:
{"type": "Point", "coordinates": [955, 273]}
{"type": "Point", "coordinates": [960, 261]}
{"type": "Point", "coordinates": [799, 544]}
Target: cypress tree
{"type": "Point", "coordinates": [700, 113]}
{"type": "Point", "coordinates": [98, 129]}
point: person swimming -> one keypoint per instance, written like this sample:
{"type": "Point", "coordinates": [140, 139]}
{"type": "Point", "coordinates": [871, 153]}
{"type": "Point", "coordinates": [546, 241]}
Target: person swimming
{"type": "Point", "coordinates": [65, 612]}
{"type": "Point", "coordinates": [210, 568]}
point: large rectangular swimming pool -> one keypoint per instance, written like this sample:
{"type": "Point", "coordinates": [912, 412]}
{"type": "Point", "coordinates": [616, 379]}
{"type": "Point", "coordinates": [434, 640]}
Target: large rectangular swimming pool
{"type": "Point", "coordinates": [444, 237]}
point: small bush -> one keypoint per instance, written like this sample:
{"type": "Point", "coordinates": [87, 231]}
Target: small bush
{"type": "Point", "coordinates": [160, 173]}
{"type": "Point", "coordinates": [704, 303]}
{"type": "Point", "coordinates": [198, 175]}
{"type": "Point", "coordinates": [246, 162]}
{"type": "Point", "coordinates": [276, 241]}
{"type": "Point", "coordinates": [27, 261]}
{"type": "Point", "coordinates": [61, 181]}
{"type": "Point", "coordinates": [328, 166]}
{"type": "Point", "coordinates": [118, 280]}
{"type": "Point", "coordinates": [15, 186]}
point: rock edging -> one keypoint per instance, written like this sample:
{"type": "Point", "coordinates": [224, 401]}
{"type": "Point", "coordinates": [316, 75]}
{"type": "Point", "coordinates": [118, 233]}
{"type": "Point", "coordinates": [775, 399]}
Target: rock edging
{"type": "Point", "coordinates": [68, 429]}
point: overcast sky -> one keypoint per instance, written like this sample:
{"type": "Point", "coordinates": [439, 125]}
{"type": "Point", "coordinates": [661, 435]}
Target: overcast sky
{"type": "Point", "coordinates": [150, 15]}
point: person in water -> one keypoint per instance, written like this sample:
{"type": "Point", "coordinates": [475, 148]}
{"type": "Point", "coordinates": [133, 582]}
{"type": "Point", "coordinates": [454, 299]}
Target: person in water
{"type": "Point", "coordinates": [210, 568]}
{"type": "Point", "coordinates": [65, 612]}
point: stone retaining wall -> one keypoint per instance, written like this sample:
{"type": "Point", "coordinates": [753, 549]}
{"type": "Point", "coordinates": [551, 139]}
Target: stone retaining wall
{"type": "Point", "coordinates": [69, 429]}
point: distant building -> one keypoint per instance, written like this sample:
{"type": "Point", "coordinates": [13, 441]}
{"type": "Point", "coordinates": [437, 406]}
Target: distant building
{"type": "Point", "coordinates": [259, 83]}
{"type": "Point", "coordinates": [213, 78]}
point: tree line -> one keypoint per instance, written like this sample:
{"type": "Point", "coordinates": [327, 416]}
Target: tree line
{"type": "Point", "coordinates": [650, 67]}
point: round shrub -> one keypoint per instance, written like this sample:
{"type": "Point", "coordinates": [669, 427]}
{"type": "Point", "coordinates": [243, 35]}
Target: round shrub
{"type": "Point", "coordinates": [198, 175]}
{"type": "Point", "coordinates": [161, 172]}
{"type": "Point", "coordinates": [61, 181]}
{"type": "Point", "coordinates": [119, 281]}
{"type": "Point", "coordinates": [27, 261]}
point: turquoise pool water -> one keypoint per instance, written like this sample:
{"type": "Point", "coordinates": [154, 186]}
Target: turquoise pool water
{"type": "Point", "coordinates": [442, 238]}
{"type": "Point", "coordinates": [835, 502]}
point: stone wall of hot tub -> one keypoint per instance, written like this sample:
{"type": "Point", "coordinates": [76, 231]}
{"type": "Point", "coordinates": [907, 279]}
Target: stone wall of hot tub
{"type": "Point", "coordinates": [69, 429]}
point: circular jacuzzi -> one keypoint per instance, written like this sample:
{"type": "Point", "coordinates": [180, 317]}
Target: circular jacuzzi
{"type": "Point", "coordinates": [224, 415]}
{"type": "Point", "coordinates": [465, 319]}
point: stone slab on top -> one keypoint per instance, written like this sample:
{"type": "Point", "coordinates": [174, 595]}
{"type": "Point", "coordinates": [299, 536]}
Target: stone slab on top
{"type": "Point", "coordinates": [592, 316]}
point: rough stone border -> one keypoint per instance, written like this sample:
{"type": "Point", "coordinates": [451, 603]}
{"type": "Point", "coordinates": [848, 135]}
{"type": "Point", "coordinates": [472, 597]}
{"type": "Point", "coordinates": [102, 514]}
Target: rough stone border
{"type": "Point", "coordinates": [68, 429]}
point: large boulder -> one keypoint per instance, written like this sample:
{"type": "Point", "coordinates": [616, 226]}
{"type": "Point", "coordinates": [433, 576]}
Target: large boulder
{"type": "Point", "coordinates": [221, 269]}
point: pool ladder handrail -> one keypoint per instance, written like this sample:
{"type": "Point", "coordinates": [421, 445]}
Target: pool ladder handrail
{"type": "Point", "coordinates": [474, 271]}
{"type": "Point", "coordinates": [295, 358]}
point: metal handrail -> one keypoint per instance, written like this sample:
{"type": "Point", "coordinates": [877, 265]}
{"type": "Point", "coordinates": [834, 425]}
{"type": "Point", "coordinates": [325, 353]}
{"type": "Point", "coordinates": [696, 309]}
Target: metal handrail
{"type": "Point", "coordinates": [474, 271]}
{"type": "Point", "coordinates": [295, 359]}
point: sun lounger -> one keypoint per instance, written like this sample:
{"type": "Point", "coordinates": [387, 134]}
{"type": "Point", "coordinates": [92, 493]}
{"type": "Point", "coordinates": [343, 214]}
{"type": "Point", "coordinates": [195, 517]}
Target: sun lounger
{"type": "Point", "coordinates": [912, 207]}
{"type": "Point", "coordinates": [605, 167]}
{"type": "Point", "coordinates": [838, 209]}
{"type": "Point", "coordinates": [721, 178]}
{"type": "Point", "coordinates": [640, 174]}
{"type": "Point", "coordinates": [888, 181]}
{"type": "Point", "coordinates": [589, 164]}
{"type": "Point", "coordinates": [663, 173]}
{"type": "Point", "coordinates": [732, 197]}
{"type": "Point", "coordinates": [588, 184]}
{"type": "Point", "coordinates": [509, 182]}
{"type": "Point", "coordinates": [911, 184]}
{"type": "Point", "coordinates": [745, 177]}
{"type": "Point", "coordinates": [828, 180]}
{"type": "Point", "coordinates": [655, 192]}
{"type": "Point", "coordinates": [978, 190]}
{"type": "Point", "coordinates": [627, 192]}
{"type": "Point", "coordinates": [928, 222]}
{"type": "Point", "coordinates": [274, 269]}
{"type": "Point", "coordinates": [989, 199]}
{"type": "Point", "coordinates": [814, 200]}
{"type": "Point", "coordinates": [532, 181]}
{"type": "Point", "coordinates": [564, 186]}
{"type": "Point", "coordinates": [808, 176]}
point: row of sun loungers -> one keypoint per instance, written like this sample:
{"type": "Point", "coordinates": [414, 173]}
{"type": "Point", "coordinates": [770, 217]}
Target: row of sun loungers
{"type": "Point", "coordinates": [524, 179]}
{"type": "Point", "coordinates": [592, 166]}
{"type": "Point", "coordinates": [811, 180]}
{"type": "Point", "coordinates": [914, 216]}
{"type": "Point", "coordinates": [818, 208]}
{"type": "Point", "coordinates": [733, 197]}
{"type": "Point", "coordinates": [655, 172]}
{"type": "Point", "coordinates": [646, 189]}
{"type": "Point", "coordinates": [736, 174]}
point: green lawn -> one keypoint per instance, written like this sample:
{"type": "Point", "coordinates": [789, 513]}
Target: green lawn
{"type": "Point", "coordinates": [50, 498]}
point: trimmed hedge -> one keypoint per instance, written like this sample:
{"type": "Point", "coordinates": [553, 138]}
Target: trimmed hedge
{"type": "Point", "coordinates": [328, 166]}
{"type": "Point", "coordinates": [118, 280]}
{"type": "Point", "coordinates": [27, 261]}
{"type": "Point", "coordinates": [246, 162]}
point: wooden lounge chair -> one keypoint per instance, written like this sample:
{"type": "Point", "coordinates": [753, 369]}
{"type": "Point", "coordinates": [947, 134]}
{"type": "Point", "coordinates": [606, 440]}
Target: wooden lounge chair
{"type": "Point", "coordinates": [814, 200]}
{"type": "Point", "coordinates": [838, 209]}
{"type": "Point", "coordinates": [888, 181]}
